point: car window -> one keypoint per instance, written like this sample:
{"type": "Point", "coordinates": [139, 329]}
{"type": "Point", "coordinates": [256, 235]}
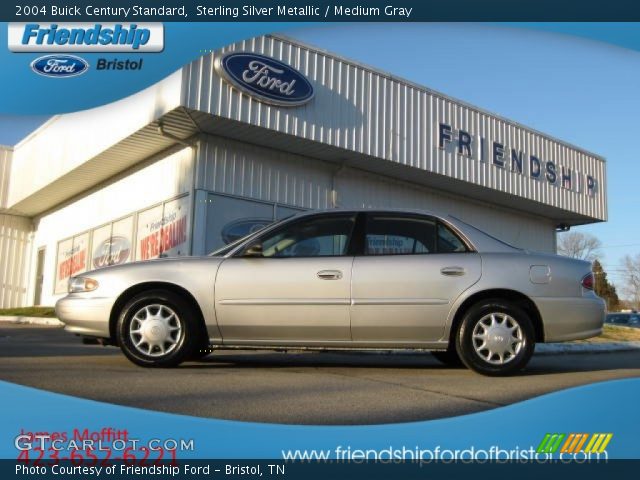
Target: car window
{"type": "Point", "coordinates": [394, 235]}
{"type": "Point", "coordinates": [449, 242]}
{"type": "Point", "coordinates": [311, 237]}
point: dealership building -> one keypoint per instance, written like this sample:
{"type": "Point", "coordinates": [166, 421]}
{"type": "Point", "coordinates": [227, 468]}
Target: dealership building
{"type": "Point", "coordinates": [256, 132]}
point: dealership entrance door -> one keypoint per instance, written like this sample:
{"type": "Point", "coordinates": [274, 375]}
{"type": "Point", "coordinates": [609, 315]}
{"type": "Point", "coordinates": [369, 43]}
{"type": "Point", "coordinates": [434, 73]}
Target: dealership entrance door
{"type": "Point", "coordinates": [37, 297]}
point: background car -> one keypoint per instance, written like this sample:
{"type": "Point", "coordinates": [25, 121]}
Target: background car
{"type": "Point", "coordinates": [626, 319]}
{"type": "Point", "coordinates": [343, 279]}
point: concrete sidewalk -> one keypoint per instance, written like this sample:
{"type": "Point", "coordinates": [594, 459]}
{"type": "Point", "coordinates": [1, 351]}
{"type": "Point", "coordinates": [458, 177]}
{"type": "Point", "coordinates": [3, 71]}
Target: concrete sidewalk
{"type": "Point", "coordinates": [52, 322]}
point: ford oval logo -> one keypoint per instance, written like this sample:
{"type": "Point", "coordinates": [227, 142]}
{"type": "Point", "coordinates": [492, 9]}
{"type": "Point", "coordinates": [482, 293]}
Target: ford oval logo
{"type": "Point", "coordinates": [232, 231]}
{"type": "Point", "coordinates": [112, 251]}
{"type": "Point", "coordinates": [59, 66]}
{"type": "Point", "coordinates": [265, 78]}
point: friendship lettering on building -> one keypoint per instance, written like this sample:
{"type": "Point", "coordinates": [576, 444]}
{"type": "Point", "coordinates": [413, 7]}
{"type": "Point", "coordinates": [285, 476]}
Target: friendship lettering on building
{"type": "Point", "coordinates": [515, 160]}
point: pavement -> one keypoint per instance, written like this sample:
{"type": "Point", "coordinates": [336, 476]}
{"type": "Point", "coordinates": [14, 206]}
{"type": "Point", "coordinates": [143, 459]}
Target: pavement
{"type": "Point", "coordinates": [295, 387]}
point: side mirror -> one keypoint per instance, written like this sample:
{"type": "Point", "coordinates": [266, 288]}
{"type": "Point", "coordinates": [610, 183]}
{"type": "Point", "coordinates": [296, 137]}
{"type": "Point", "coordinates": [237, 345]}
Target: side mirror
{"type": "Point", "coordinates": [253, 250]}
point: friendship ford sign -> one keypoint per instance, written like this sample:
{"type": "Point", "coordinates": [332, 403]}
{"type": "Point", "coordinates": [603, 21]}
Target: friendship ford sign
{"type": "Point", "coordinates": [86, 37]}
{"type": "Point", "coordinates": [515, 160]}
{"type": "Point", "coordinates": [265, 78]}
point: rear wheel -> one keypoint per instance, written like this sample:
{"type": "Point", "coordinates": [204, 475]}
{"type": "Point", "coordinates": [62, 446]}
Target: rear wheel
{"type": "Point", "coordinates": [158, 329]}
{"type": "Point", "coordinates": [496, 338]}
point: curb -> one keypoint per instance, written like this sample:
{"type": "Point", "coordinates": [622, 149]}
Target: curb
{"type": "Point", "coordinates": [583, 348]}
{"type": "Point", "coordinates": [17, 320]}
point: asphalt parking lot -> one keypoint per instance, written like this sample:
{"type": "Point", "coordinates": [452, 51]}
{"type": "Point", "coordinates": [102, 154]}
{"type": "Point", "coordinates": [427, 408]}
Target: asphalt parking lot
{"type": "Point", "coordinates": [296, 387]}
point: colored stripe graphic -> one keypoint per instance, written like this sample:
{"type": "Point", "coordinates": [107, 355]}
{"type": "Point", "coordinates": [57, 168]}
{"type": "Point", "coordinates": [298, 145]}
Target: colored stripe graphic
{"type": "Point", "coordinates": [550, 443]}
{"type": "Point", "coordinates": [574, 442]}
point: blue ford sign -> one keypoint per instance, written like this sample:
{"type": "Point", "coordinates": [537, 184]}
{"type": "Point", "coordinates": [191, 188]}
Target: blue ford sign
{"type": "Point", "coordinates": [59, 66]}
{"type": "Point", "coordinates": [265, 78]}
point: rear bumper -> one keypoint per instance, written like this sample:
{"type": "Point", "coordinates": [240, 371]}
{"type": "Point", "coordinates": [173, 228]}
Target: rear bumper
{"type": "Point", "coordinates": [572, 318]}
{"type": "Point", "coordinates": [85, 316]}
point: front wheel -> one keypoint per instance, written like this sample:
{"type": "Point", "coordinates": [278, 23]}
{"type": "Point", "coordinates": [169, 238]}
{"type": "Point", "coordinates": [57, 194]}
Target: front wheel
{"type": "Point", "coordinates": [157, 329]}
{"type": "Point", "coordinates": [495, 338]}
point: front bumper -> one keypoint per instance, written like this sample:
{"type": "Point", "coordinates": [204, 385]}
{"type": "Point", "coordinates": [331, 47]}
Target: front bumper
{"type": "Point", "coordinates": [571, 318]}
{"type": "Point", "coordinates": [85, 315]}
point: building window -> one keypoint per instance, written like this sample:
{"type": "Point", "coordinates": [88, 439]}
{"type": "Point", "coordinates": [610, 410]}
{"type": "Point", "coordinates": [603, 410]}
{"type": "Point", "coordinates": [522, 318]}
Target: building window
{"type": "Point", "coordinates": [162, 230]}
{"type": "Point", "coordinates": [72, 259]}
{"type": "Point", "coordinates": [231, 218]}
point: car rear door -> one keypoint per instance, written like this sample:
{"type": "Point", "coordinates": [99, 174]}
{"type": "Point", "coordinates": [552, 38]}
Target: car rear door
{"type": "Point", "coordinates": [298, 291]}
{"type": "Point", "coordinates": [412, 269]}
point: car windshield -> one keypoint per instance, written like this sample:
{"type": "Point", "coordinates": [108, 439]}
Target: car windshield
{"type": "Point", "coordinates": [222, 251]}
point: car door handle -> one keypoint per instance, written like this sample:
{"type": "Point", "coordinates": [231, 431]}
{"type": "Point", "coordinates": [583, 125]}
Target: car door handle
{"type": "Point", "coordinates": [329, 274]}
{"type": "Point", "coordinates": [452, 271]}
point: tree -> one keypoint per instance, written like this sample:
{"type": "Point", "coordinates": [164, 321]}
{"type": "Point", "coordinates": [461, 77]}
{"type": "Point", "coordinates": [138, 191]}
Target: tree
{"type": "Point", "coordinates": [631, 266]}
{"type": "Point", "coordinates": [604, 288]}
{"type": "Point", "coordinates": [579, 245]}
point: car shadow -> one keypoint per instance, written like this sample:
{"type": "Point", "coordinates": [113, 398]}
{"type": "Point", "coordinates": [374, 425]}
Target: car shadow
{"type": "Point", "coordinates": [539, 364]}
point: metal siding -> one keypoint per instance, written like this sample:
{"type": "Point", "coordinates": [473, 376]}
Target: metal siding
{"type": "Point", "coordinates": [368, 112]}
{"type": "Point", "coordinates": [15, 239]}
{"type": "Point", "coordinates": [358, 189]}
{"type": "Point", "coordinates": [235, 168]}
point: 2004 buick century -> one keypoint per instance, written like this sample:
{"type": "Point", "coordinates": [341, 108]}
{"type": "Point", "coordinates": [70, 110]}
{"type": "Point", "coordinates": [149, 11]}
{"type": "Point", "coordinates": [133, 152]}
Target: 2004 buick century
{"type": "Point", "coordinates": [343, 279]}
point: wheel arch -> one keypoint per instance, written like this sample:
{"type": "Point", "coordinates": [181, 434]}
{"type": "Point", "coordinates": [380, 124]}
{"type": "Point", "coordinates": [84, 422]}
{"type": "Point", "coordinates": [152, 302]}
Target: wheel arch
{"type": "Point", "coordinates": [134, 290]}
{"type": "Point", "coordinates": [519, 298]}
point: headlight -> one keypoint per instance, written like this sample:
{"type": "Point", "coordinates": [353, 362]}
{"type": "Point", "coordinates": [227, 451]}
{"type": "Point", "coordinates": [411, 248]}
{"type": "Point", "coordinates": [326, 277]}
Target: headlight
{"type": "Point", "coordinates": [82, 284]}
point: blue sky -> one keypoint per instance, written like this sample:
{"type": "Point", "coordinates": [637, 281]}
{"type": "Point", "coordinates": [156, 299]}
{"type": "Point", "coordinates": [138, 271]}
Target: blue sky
{"type": "Point", "coordinates": [582, 91]}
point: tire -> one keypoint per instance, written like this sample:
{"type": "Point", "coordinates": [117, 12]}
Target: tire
{"type": "Point", "coordinates": [174, 329]}
{"type": "Point", "coordinates": [449, 357]}
{"type": "Point", "coordinates": [509, 342]}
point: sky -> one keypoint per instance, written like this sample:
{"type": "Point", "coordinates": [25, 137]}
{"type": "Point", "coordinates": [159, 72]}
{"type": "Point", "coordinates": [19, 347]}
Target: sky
{"type": "Point", "coordinates": [582, 91]}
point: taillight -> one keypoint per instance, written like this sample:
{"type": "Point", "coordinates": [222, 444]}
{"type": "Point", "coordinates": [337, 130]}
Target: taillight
{"type": "Point", "coordinates": [587, 281]}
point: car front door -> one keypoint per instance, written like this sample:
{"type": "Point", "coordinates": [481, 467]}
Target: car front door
{"type": "Point", "coordinates": [411, 270]}
{"type": "Point", "coordinates": [293, 288]}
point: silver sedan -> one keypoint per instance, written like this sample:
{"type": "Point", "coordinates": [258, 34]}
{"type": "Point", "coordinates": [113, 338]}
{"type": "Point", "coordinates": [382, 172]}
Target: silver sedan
{"type": "Point", "coordinates": [343, 279]}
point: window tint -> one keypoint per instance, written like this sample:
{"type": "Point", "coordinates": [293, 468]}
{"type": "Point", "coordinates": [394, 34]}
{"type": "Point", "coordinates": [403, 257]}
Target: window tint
{"type": "Point", "coordinates": [392, 235]}
{"type": "Point", "coordinates": [313, 237]}
{"type": "Point", "coordinates": [449, 242]}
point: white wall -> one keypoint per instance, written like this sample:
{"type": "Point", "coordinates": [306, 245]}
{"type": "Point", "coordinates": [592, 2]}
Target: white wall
{"type": "Point", "coordinates": [5, 170]}
{"type": "Point", "coordinates": [153, 183]}
{"type": "Point", "coordinates": [15, 234]}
